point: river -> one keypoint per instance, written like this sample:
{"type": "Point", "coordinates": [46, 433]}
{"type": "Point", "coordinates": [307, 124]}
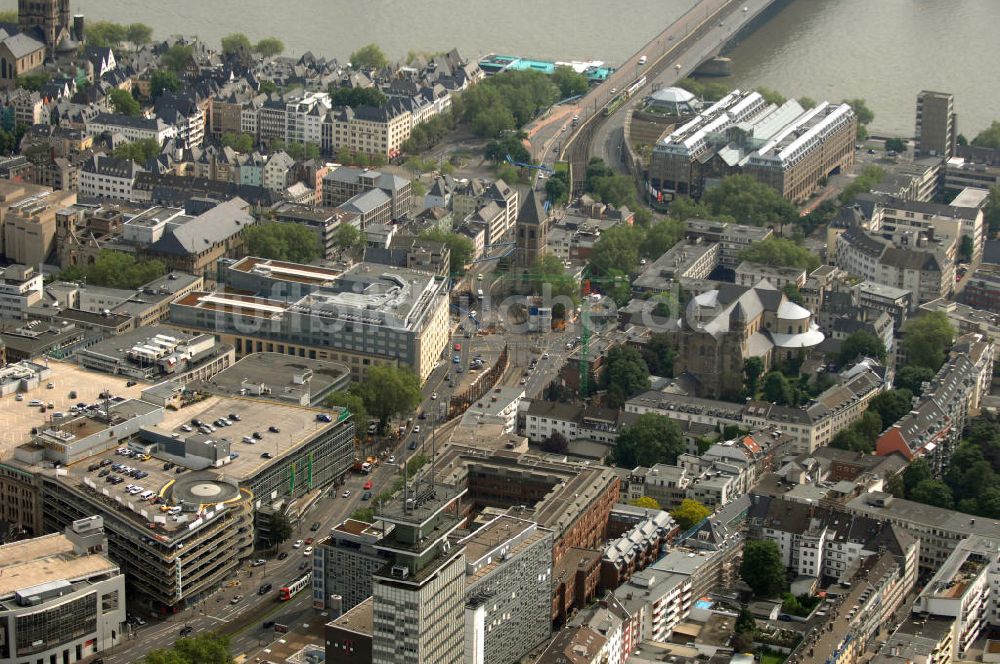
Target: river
{"type": "Point", "coordinates": [884, 51]}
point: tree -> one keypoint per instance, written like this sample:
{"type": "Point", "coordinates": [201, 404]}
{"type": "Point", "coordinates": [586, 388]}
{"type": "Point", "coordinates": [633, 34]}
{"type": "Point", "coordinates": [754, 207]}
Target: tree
{"type": "Point", "coordinates": [918, 471]}
{"type": "Point", "coordinates": [269, 47]}
{"type": "Point", "coordinates": [356, 97]}
{"type": "Point", "coordinates": [869, 426]}
{"type": "Point", "coordinates": [163, 80]}
{"type": "Point", "coordinates": [115, 270]}
{"type": "Point", "coordinates": [932, 492]}
{"type": "Point", "coordinates": [991, 213]}
{"type": "Point", "coordinates": [780, 252]}
{"type": "Point", "coordinates": [771, 96]}
{"type": "Point", "coordinates": [778, 390]}
{"type": "Point", "coordinates": [555, 444]}
{"type": "Point", "coordinates": [626, 375]}
{"type": "Point", "coordinates": [556, 188]}
{"type": "Point", "coordinates": [645, 502]}
{"type": "Point", "coordinates": [862, 184]}
{"type": "Point", "coordinates": [33, 80]}
{"type": "Point", "coordinates": [505, 101]}
{"type": "Point", "coordinates": [240, 142]}
{"type": "Point", "coordinates": [965, 248]}
{"type": "Point", "coordinates": [745, 622]}
{"type": "Point", "coordinates": [138, 33]}
{"type": "Point", "coordinates": [569, 82]}
{"type": "Point", "coordinates": [347, 237]}
{"type": "Point", "coordinates": [762, 568]}
{"type": "Point", "coordinates": [123, 102]}
{"type": "Point", "coordinates": [105, 33]}
{"type": "Point", "coordinates": [861, 344]}
{"type": "Point", "coordinates": [511, 146]}
{"type": "Point", "coordinates": [659, 354]}
{"type": "Point", "coordinates": [807, 102]}
{"type": "Point", "coordinates": [650, 440]}
{"type": "Point", "coordinates": [548, 272]}
{"type": "Point", "coordinates": [236, 43]}
{"type": "Point", "coordinates": [661, 237]}
{"type": "Point", "coordinates": [851, 439]}
{"type": "Point", "coordinates": [285, 242]}
{"type": "Point", "coordinates": [912, 377]}
{"type": "Point", "coordinates": [203, 648]}
{"type": "Point", "coordinates": [618, 248]}
{"type": "Point", "coordinates": [895, 145]}
{"type": "Point", "coordinates": [354, 403]}
{"type": "Point", "coordinates": [865, 115]}
{"type": "Point", "coordinates": [989, 137]}
{"type": "Point", "coordinates": [750, 201]}
{"type": "Point", "coordinates": [926, 340]}
{"type": "Point", "coordinates": [369, 57]}
{"type": "Point", "coordinates": [753, 367]}
{"type": "Point", "coordinates": [177, 57]}
{"type": "Point", "coordinates": [139, 151]}
{"type": "Point", "coordinates": [459, 245]}
{"type": "Point", "coordinates": [268, 87]}
{"type": "Point", "coordinates": [389, 391]}
{"type": "Point", "coordinates": [792, 292]}
{"type": "Point", "coordinates": [689, 514]}
{"type": "Point", "coordinates": [891, 405]}
{"type": "Point", "coordinates": [281, 528]}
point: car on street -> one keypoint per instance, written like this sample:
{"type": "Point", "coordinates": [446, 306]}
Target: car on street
{"type": "Point", "coordinates": [297, 545]}
{"type": "Point", "coordinates": [307, 551]}
{"type": "Point", "coordinates": [304, 564]}
{"type": "Point", "coordinates": [236, 599]}
{"type": "Point", "coordinates": [456, 359]}
{"type": "Point", "coordinates": [391, 459]}
{"type": "Point", "coordinates": [259, 562]}
{"type": "Point", "coordinates": [315, 526]}
{"type": "Point", "coordinates": [186, 630]}
{"type": "Point", "coordinates": [367, 486]}
{"type": "Point", "coordinates": [458, 346]}
{"type": "Point", "coordinates": [347, 494]}
{"type": "Point", "coordinates": [366, 495]}
{"type": "Point", "coordinates": [434, 396]}
{"type": "Point", "coordinates": [422, 416]}
{"type": "Point", "coordinates": [416, 429]}
{"type": "Point", "coordinates": [264, 589]}
{"type": "Point", "coordinates": [282, 555]}
{"type": "Point", "coordinates": [413, 444]}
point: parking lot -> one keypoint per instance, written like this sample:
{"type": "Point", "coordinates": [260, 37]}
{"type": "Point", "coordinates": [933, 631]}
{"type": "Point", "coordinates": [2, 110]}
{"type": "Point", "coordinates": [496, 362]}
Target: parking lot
{"type": "Point", "coordinates": [19, 418]}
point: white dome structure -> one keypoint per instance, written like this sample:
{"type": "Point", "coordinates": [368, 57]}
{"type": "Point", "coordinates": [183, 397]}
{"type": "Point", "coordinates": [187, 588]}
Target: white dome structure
{"type": "Point", "coordinates": [673, 101]}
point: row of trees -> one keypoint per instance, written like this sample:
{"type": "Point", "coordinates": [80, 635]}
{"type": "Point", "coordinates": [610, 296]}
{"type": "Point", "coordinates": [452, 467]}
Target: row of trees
{"type": "Point", "coordinates": [355, 97]}
{"type": "Point", "coordinates": [738, 197]}
{"type": "Point", "coordinates": [114, 269]}
{"type": "Point", "coordinates": [238, 44]}
{"type": "Point", "coordinates": [781, 252]}
{"type": "Point", "coordinates": [202, 648]}
{"type": "Point", "coordinates": [107, 33]}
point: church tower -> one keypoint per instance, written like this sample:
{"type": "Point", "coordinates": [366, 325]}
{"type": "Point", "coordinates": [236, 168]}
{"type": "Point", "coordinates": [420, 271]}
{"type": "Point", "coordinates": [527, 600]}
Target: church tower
{"type": "Point", "coordinates": [51, 17]}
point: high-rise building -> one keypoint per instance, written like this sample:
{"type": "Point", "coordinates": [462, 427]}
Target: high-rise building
{"type": "Point", "coordinates": [937, 123]}
{"type": "Point", "coordinates": [419, 594]}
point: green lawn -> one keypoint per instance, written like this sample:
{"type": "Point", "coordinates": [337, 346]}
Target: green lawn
{"type": "Point", "coordinates": [768, 658]}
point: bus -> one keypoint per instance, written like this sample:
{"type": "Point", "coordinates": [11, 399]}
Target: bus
{"type": "Point", "coordinates": [294, 588]}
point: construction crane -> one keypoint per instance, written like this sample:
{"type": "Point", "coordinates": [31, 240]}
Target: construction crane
{"type": "Point", "coordinates": [537, 167]}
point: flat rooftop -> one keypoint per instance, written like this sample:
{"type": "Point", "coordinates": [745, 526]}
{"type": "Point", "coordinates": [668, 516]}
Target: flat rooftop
{"type": "Point", "coordinates": [286, 377]}
{"type": "Point", "coordinates": [359, 619]}
{"type": "Point", "coordinates": [296, 425]}
{"type": "Point", "coordinates": [18, 417]}
{"type": "Point", "coordinates": [492, 537]}
{"type": "Point", "coordinates": [285, 271]}
{"type": "Point", "coordinates": [39, 560]}
{"type": "Point", "coordinates": [231, 303]}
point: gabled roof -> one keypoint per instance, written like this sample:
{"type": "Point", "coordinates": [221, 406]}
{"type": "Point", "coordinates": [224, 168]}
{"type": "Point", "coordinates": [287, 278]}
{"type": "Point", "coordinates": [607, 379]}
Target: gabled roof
{"type": "Point", "coordinates": [21, 45]}
{"type": "Point", "coordinates": [214, 226]}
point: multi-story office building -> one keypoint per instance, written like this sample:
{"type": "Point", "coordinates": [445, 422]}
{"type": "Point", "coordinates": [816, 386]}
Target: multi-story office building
{"type": "Point", "coordinates": [158, 353]}
{"type": "Point", "coordinates": [419, 593]}
{"type": "Point", "coordinates": [343, 183]}
{"type": "Point", "coordinates": [108, 178]}
{"type": "Point", "coordinates": [732, 238]}
{"type": "Point", "coordinates": [684, 260]}
{"type": "Point", "coordinates": [368, 315]}
{"type": "Point", "coordinates": [132, 128]}
{"type": "Point", "coordinates": [895, 217]}
{"type": "Point", "coordinates": [896, 302]}
{"type": "Point", "coordinates": [785, 146]}
{"type": "Point", "coordinates": [304, 116]}
{"type": "Point", "coordinates": [982, 290]}
{"type": "Point", "coordinates": [748, 274]}
{"type": "Point", "coordinates": [61, 599]}
{"type": "Point", "coordinates": [20, 288]}
{"type": "Point", "coordinates": [972, 167]}
{"type": "Point", "coordinates": [508, 580]}
{"type": "Point", "coordinates": [29, 225]}
{"type": "Point", "coordinates": [937, 123]}
{"type": "Point", "coordinates": [344, 563]}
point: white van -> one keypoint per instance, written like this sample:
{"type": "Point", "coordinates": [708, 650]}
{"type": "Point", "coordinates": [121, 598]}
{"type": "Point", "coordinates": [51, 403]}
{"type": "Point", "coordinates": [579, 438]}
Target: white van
{"type": "Point", "coordinates": [146, 495]}
{"type": "Point", "coordinates": [642, 59]}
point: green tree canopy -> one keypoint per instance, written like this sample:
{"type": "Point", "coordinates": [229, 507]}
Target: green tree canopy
{"type": "Point", "coordinates": [123, 102]}
{"type": "Point", "coordinates": [505, 101]}
{"type": "Point", "coordinates": [895, 145]}
{"type": "Point", "coordinates": [932, 492]}
{"type": "Point", "coordinates": [991, 213]}
{"type": "Point", "coordinates": [348, 238]}
{"type": "Point", "coordinates": [851, 439]}
{"type": "Point", "coordinates": [557, 189]}
{"type": "Point", "coordinates": [753, 367]}
{"type": "Point", "coordinates": [652, 439]}
{"type": "Point", "coordinates": [689, 514]}
{"type": "Point", "coordinates": [792, 292]}
{"type": "Point", "coordinates": [548, 271]}
{"type": "Point", "coordinates": [780, 252]}
{"type": "Point", "coordinates": [626, 375]}
{"type": "Point", "coordinates": [239, 142]}
{"type": "Point", "coordinates": [912, 378]}
{"type": "Point", "coordinates": [114, 269]}
{"type": "Point", "coordinates": [511, 145]}
{"type": "Point", "coordinates": [285, 242]}
{"type": "Point", "coordinates": [203, 648]}
{"type": "Point", "coordinates": [989, 137]}
{"type": "Point", "coordinates": [862, 184]}
{"type": "Point", "coordinates": [771, 96]}
{"type": "Point", "coordinates": [659, 354]}
{"type": "Point", "coordinates": [177, 57]}
{"type": "Point", "coordinates": [389, 391]}
{"type": "Point", "coordinates": [355, 97]}
{"type": "Point", "coordinates": [569, 82]}
{"type": "Point", "coordinates": [556, 443]}
{"type": "Point", "coordinates": [861, 344]}
{"type": "Point", "coordinates": [236, 43]}
{"type": "Point", "coordinates": [163, 80]}
{"type": "Point", "coordinates": [459, 245]}
{"type": "Point", "coordinates": [269, 47]}
{"type": "Point", "coordinates": [705, 90]}
{"type": "Point", "coordinates": [752, 202]}
{"type": "Point", "coordinates": [33, 80]}
{"type": "Point", "coordinates": [355, 403]}
{"type": "Point", "coordinates": [281, 528]}
{"type": "Point", "coordinates": [139, 33]}
{"type": "Point", "coordinates": [865, 115]}
{"type": "Point", "coordinates": [762, 568]}
{"type": "Point", "coordinates": [369, 57]}
{"type": "Point", "coordinates": [927, 339]}
{"type": "Point", "coordinates": [807, 102]}
{"type": "Point", "coordinates": [644, 502]}
{"type": "Point", "coordinates": [105, 33]}
{"type": "Point", "coordinates": [778, 390]}
{"type": "Point", "coordinates": [891, 405]}
{"type": "Point", "coordinates": [139, 151]}
{"type": "Point", "coordinates": [660, 237]}
{"type": "Point", "coordinates": [618, 248]}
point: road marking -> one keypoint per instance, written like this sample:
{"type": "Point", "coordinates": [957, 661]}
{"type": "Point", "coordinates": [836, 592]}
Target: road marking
{"type": "Point", "coordinates": [221, 620]}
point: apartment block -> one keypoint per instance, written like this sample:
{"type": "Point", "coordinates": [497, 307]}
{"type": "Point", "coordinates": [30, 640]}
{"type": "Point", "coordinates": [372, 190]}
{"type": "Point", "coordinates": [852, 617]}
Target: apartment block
{"type": "Point", "coordinates": [894, 216]}
{"type": "Point", "coordinates": [29, 225]}
{"type": "Point", "coordinates": [937, 123]}
{"type": "Point", "coordinates": [344, 183]}
{"type": "Point", "coordinates": [20, 288]}
{"type": "Point", "coordinates": [472, 195]}
{"type": "Point", "coordinates": [748, 274]}
{"type": "Point", "coordinates": [104, 177]}
{"type": "Point", "coordinates": [344, 563]}
{"type": "Point", "coordinates": [132, 128]}
{"type": "Point", "coordinates": [982, 290]}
